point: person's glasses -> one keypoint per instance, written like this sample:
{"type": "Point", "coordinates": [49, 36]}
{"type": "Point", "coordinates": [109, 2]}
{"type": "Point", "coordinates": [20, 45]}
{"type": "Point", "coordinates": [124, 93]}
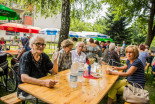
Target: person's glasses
{"type": "Point", "coordinates": [129, 52]}
{"type": "Point", "coordinates": [40, 44]}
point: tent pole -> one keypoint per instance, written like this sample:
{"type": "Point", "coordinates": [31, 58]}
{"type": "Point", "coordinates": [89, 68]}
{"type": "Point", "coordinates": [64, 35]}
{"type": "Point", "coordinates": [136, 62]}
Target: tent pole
{"type": "Point", "coordinates": [54, 41]}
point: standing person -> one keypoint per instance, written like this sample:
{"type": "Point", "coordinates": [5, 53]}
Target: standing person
{"type": "Point", "coordinates": [142, 54]}
{"type": "Point", "coordinates": [124, 45]}
{"type": "Point", "coordinates": [33, 65]}
{"type": "Point", "coordinates": [92, 49]}
{"type": "Point", "coordinates": [107, 44]}
{"type": "Point", "coordinates": [26, 47]}
{"type": "Point", "coordinates": [64, 56]}
{"type": "Point", "coordinates": [77, 53]}
{"type": "Point", "coordinates": [123, 48]}
{"type": "Point", "coordinates": [75, 40]}
{"type": "Point", "coordinates": [135, 73]}
{"type": "Point", "coordinates": [100, 51]}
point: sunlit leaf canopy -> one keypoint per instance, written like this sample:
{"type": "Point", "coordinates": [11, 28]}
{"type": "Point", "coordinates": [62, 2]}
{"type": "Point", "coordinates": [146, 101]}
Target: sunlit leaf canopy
{"type": "Point", "coordinates": [138, 9]}
{"type": "Point", "coordinates": [79, 9]}
{"type": "Point", "coordinates": [82, 9]}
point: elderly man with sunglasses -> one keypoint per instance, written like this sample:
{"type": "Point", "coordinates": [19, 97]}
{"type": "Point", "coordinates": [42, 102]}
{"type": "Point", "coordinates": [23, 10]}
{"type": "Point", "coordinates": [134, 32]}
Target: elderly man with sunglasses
{"type": "Point", "coordinates": [78, 54]}
{"type": "Point", "coordinates": [33, 65]}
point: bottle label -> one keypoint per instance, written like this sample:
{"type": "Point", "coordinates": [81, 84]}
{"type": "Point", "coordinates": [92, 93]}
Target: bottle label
{"type": "Point", "coordinates": [73, 78]}
{"type": "Point", "coordinates": [80, 73]}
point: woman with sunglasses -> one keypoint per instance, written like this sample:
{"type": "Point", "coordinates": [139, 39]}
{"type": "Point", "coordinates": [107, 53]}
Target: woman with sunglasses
{"type": "Point", "coordinates": [134, 73]}
{"type": "Point", "coordinates": [35, 64]}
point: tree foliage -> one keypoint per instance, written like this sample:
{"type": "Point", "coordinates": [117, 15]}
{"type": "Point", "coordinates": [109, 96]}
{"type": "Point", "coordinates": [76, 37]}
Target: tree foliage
{"type": "Point", "coordinates": [99, 25]}
{"type": "Point", "coordinates": [143, 10]}
{"type": "Point", "coordinates": [79, 26]}
{"type": "Point", "coordinates": [117, 29]}
{"type": "Point", "coordinates": [77, 9]}
{"type": "Point", "coordinates": [138, 34]}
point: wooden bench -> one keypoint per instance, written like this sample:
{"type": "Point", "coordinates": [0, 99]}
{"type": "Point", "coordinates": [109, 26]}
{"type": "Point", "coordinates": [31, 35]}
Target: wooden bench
{"type": "Point", "coordinates": [11, 99]}
{"type": "Point", "coordinates": [147, 66]}
{"type": "Point", "coordinates": [130, 103]}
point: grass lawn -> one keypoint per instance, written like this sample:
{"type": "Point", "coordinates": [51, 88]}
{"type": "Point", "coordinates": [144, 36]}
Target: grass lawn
{"type": "Point", "coordinates": [148, 86]}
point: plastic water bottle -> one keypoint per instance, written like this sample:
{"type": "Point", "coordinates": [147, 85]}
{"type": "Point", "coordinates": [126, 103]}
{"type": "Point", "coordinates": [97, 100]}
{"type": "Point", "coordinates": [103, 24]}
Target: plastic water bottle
{"type": "Point", "coordinates": [73, 79]}
{"type": "Point", "coordinates": [74, 74]}
{"type": "Point", "coordinates": [81, 69]}
{"type": "Point", "coordinates": [80, 72]}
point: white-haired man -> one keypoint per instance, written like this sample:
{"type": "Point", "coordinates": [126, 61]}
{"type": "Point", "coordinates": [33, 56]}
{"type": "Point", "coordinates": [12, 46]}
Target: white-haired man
{"type": "Point", "coordinates": [78, 54]}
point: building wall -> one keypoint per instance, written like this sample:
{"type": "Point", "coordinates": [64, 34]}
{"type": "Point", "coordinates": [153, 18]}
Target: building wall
{"type": "Point", "coordinates": [50, 22]}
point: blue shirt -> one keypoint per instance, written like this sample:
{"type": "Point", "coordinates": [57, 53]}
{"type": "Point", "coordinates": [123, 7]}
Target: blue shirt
{"type": "Point", "coordinates": [143, 56]}
{"type": "Point", "coordinates": [138, 76]}
{"type": "Point", "coordinates": [25, 43]}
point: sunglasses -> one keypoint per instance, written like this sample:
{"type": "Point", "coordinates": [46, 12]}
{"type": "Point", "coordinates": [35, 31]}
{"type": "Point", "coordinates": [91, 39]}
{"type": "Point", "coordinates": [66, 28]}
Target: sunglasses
{"type": "Point", "coordinates": [129, 52]}
{"type": "Point", "coordinates": [40, 44]}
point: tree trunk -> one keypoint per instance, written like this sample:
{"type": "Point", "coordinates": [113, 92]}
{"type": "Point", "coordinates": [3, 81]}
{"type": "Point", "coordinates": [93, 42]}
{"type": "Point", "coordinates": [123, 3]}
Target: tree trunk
{"type": "Point", "coordinates": [65, 21]}
{"type": "Point", "coordinates": [151, 28]}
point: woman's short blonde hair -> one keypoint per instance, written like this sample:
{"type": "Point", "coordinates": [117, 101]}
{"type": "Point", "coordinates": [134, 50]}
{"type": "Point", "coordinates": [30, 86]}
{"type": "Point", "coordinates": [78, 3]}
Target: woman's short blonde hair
{"type": "Point", "coordinates": [135, 50]}
{"type": "Point", "coordinates": [66, 43]}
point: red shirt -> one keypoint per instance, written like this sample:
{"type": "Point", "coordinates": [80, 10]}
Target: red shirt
{"type": "Point", "coordinates": [2, 42]}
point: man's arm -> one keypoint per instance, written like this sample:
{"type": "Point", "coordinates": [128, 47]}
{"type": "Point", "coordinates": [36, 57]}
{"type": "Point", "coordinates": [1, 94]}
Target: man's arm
{"type": "Point", "coordinates": [27, 79]}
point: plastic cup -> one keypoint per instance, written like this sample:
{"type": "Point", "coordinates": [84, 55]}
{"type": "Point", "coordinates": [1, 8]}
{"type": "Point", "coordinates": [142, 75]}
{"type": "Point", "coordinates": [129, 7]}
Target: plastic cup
{"type": "Point", "coordinates": [57, 78]}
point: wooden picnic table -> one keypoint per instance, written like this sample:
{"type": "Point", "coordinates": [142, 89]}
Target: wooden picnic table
{"type": "Point", "coordinates": [12, 52]}
{"type": "Point", "coordinates": [123, 59]}
{"type": "Point", "coordinates": [90, 91]}
{"type": "Point", "coordinates": [11, 45]}
{"type": "Point", "coordinates": [153, 54]}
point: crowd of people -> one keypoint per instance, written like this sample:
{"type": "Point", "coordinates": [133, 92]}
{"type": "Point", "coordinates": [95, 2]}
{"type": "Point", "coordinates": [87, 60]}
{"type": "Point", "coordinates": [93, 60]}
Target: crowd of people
{"type": "Point", "coordinates": [34, 63]}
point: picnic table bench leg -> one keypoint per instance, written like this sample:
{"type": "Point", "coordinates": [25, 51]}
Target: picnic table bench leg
{"type": "Point", "coordinates": [23, 102]}
{"type": "Point", "coordinates": [36, 100]}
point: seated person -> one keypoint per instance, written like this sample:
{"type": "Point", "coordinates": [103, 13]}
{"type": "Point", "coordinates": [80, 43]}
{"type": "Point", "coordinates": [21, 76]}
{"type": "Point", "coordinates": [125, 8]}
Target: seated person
{"type": "Point", "coordinates": [153, 65]}
{"type": "Point", "coordinates": [103, 46]}
{"type": "Point", "coordinates": [92, 49]}
{"type": "Point", "coordinates": [25, 43]}
{"type": "Point", "coordinates": [2, 43]}
{"type": "Point", "coordinates": [135, 73]}
{"type": "Point", "coordinates": [75, 40]}
{"type": "Point", "coordinates": [113, 57]}
{"type": "Point", "coordinates": [77, 53]}
{"type": "Point", "coordinates": [100, 48]}
{"type": "Point", "coordinates": [35, 64]}
{"type": "Point", "coordinates": [64, 55]}
{"type": "Point", "coordinates": [142, 54]}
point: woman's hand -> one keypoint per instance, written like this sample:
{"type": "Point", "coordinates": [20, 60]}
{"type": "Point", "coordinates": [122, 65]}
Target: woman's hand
{"type": "Point", "coordinates": [55, 54]}
{"type": "Point", "coordinates": [49, 83]}
{"type": "Point", "coordinates": [108, 72]}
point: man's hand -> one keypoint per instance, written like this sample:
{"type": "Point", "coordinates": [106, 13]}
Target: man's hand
{"type": "Point", "coordinates": [114, 68]}
{"type": "Point", "coordinates": [49, 83]}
